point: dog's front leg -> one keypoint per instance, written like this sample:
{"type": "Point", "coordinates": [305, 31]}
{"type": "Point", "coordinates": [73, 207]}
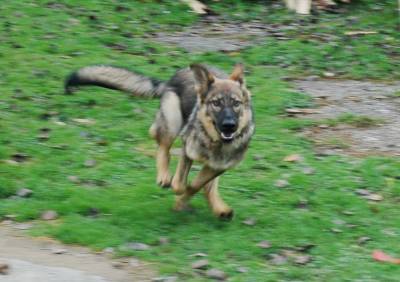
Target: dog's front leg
{"type": "Point", "coordinates": [179, 182]}
{"type": "Point", "coordinates": [217, 205]}
{"type": "Point", "coordinates": [205, 175]}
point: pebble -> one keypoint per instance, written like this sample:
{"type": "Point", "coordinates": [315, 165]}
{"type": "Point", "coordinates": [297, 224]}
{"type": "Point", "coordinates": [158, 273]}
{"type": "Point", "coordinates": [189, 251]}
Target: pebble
{"type": "Point", "coordinates": [24, 193]}
{"type": "Point", "coordinates": [200, 264]}
{"type": "Point", "coordinates": [216, 274]}
{"type": "Point", "coordinates": [49, 215]}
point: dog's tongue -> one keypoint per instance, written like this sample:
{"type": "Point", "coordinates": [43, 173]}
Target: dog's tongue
{"type": "Point", "coordinates": [227, 136]}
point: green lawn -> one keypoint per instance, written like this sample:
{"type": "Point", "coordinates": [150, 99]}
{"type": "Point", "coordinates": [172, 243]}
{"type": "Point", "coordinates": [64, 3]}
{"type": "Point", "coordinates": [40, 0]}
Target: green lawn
{"type": "Point", "coordinates": [41, 42]}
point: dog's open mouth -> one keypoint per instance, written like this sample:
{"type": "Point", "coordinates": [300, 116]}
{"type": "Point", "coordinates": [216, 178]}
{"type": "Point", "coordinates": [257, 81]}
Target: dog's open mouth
{"type": "Point", "coordinates": [227, 136]}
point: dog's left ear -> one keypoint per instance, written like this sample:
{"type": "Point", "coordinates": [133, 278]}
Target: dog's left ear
{"type": "Point", "coordinates": [238, 73]}
{"type": "Point", "coordinates": [203, 79]}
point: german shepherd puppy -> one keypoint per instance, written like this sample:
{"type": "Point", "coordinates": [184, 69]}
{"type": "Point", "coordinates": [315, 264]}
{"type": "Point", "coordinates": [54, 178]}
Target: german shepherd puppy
{"type": "Point", "coordinates": [210, 110]}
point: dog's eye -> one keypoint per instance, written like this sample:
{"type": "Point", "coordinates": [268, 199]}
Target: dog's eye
{"type": "Point", "coordinates": [216, 103]}
{"type": "Point", "coordinates": [236, 103]}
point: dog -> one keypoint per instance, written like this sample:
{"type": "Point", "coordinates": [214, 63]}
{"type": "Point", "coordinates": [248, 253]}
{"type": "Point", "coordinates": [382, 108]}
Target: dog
{"type": "Point", "coordinates": [209, 109]}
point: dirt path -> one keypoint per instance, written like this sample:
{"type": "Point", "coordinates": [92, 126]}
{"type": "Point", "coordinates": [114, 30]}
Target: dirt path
{"type": "Point", "coordinates": [378, 102]}
{"type": "Point", "coordinates": [45, 260]}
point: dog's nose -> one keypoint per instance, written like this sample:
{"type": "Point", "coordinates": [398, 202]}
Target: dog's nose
{"type": "Point", "coordinates": [229, 125]}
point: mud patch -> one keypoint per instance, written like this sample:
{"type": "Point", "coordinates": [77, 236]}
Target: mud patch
{"type": "Point", "coordinates": [216, 34]}
{"type": "Point", "coordinates": [378, 104]}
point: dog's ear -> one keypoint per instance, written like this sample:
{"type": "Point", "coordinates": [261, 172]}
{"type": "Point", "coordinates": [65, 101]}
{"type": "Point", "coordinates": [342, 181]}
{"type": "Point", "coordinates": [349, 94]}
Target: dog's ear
{"type": "Point", "coordinates": [238, 73]}
{"type": "Point", "coordinates": [203, 79]}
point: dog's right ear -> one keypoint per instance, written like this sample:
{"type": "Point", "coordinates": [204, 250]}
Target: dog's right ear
{"type": "Point", "coordinates": [203, 79]}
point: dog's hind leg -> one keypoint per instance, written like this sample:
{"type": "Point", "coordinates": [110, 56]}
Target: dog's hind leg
{"type": "Point", "coordinates": [165, 129]}
{"type": "Point", "coordinates": [217, 205]}
{"type": "Point", "coordinates": [206, 175]}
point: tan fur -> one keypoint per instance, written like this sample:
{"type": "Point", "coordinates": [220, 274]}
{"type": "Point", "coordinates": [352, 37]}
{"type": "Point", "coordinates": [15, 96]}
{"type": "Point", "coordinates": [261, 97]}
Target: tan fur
{"type": "Point", "coordinates": [217, 205]}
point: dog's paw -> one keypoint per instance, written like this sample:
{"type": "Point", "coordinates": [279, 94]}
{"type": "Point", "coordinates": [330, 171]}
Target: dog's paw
{"type": "Point", "coordinates": [226, 214]}
{"type": "Point", "coordinates": [177, 187]}
{"type": "Point", "coordinates": [164, 180]}
{"type": "Point", "coordinates": [182, 206]}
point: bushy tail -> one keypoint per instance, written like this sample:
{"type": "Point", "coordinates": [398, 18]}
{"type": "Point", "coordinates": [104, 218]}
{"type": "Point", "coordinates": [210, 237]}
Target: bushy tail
{"type": "Point", "coordinates": [115, 78]}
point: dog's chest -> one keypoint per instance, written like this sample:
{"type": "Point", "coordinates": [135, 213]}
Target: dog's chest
{"type": "Point", "coordinates": [217, 156]}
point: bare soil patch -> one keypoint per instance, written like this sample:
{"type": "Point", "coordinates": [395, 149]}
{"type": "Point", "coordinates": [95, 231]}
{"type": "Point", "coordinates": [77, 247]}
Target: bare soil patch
{"type": "Point", "coordinates": [379, 102]}
{"type": "Point", "coordinates": [216, 34]}
{"type": "Point", "coordinates": [44, 259]}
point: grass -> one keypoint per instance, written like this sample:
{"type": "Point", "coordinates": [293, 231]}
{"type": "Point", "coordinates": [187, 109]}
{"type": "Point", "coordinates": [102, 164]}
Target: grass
{"type": "Point", "coordinates": [42, 43]}
{"type": "Point", "coordinates": [355, 120]}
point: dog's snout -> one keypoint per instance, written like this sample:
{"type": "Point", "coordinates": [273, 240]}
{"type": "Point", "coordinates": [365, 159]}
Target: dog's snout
{"type": "Point", "coordinates": [229, 125]}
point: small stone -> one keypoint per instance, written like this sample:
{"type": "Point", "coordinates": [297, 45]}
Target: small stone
{"type": "Point", "coordinates": [277, 259]}
{"type": "Point", "coordinates": [363, 192]}
{"type": "Point", "coordinates": [4, 268]}
{"type": "Point", "coordinates": [264, 245]}
{"type": "Point", "coordinates": [163, 241]}
{"type": "Point", "coordinates": [216, 274]}
{"type": "Point", "coordinates": [242, 269]}
{"type": "Point", "coordinates": [302, 259]}
{"type": "Point", "coordinates": [308, 170]}
{"type": "Point", "coordinates": [281, 183]}
{"type": "Point", "coordinates": [136, 246]}
{"type": "Point", "coordinates": [328, 74]}
{"type": "Point", "coordinates": [165, 279]}
{"type": "Point", "coordinates": [58, 251]}
{"type": "Point", "coordinates": [117, 264]}
{"type": "Point", "coordinates": [90, 163]}
{"type": "Point", "coordinates": [363, 240]}
{"type": "Point", "coordinates": [200, 264]}
{"type": "Point", "coordinates": [336, 230]}
{"type": "Point", "coordinates": [73, 179]}
{"type": "Point", "coordinates": [24, 193]}
{"type": "Point", "coordinates": [249, 221]}
{"type": "Point", "coordinates": [49, 215]}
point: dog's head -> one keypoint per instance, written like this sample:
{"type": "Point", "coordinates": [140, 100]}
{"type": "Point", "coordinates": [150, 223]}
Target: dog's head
{"type": "Point", "coordinates": [225, 108]}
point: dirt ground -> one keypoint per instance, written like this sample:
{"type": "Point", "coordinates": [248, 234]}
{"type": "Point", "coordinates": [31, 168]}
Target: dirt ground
{"type": "Point", "coordinates": [334, 98]}
{"type": "Point", "coordinates": [46, 260]}
{"type": "Point", "coordinates": [216, 34]}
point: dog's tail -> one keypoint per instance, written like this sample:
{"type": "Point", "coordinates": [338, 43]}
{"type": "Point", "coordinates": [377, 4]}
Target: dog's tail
{"type": "Point", "coordinates": [114, 78]}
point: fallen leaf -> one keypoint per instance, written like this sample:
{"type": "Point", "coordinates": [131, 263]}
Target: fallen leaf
{"type": "Point", "coordinates": [379, 255]}
{"type": "Point", "coordinates": [301, 111]}
{"type": "Point", "coordinates": [293, 158]}
{"type": "Point", "coordinates": [85, 121]}
{"type": "Point", "coordinates": [249, 221]}
{"type": "Point", "coordinates": [373, 197]}
{"type": "Point", "coordinates": [359, 32]}
{"type": "Point", "coordinates": [20, 157]}
{"type": "Point", "coordinates": [4, 268]}
{"type": "Point", "coordinates": [198, 255]}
